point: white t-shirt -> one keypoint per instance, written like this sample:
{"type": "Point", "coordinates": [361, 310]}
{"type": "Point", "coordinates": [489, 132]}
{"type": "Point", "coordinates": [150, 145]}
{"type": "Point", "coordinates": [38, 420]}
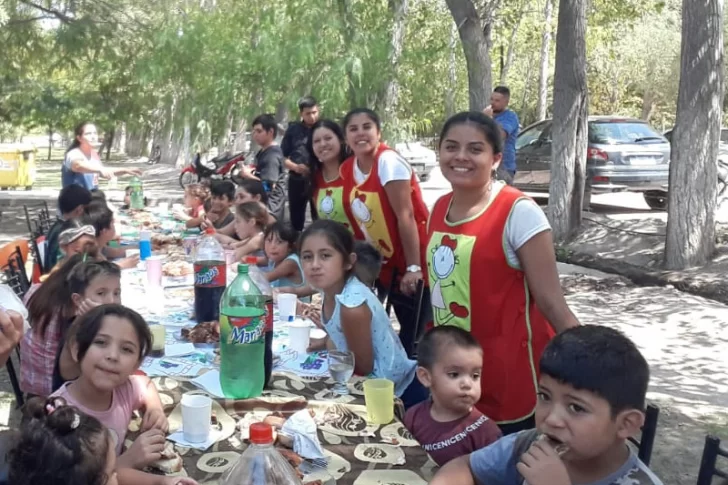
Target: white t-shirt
{"type": "Point", "coordinates": [391, 166]}
{"type": "Point", "coordinates": [524, 222]}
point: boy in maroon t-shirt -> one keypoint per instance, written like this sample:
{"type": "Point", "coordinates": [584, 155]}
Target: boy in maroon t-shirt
{"type": "Point", "coordinates": [448, 425]}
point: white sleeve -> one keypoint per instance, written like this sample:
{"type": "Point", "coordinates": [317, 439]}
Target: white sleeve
{"type": "Point", "coordinates": [392, 166]}
{"type": "Point", "coordinates": [525, 221]}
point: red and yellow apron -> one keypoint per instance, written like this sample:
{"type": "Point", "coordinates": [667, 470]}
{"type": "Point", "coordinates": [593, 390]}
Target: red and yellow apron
{"type": "Point", "coordinates": [473, 286]}
{"type": "Point", "coordinates": [331, 199]}
{"type": "Point", "coordinates": [377, 221]}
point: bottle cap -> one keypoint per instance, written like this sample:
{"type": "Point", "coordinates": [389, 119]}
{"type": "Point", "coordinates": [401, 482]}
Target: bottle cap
{"type": "Point", "coordinates": [290, 318]}
{"type": "Point", "coordinates": [250, 260]}
{"type": "Point", "coordinates": [210, 230]}
{"type": "Point", "coordinates": [261, 434]}
{"type": "Point", "coordinates": [242, 268]}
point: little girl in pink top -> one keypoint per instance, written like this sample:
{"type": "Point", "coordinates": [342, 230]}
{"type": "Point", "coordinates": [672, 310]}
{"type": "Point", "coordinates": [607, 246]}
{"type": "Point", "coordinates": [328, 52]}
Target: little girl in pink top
{"type": "Point", "coordinates": [109, 343]}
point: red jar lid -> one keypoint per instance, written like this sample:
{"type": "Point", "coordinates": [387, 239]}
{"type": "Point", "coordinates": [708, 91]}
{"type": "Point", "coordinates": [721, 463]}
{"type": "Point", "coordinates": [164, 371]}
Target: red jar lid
{"type": "Point", "coordinates": [261, 434]}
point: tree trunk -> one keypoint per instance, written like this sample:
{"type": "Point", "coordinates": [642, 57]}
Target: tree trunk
{"type": "Point", "coordinates": [543, 76]}
{"type": "Point", "coordinates": [50, 141]}
{"type": "Point", "coordinates": [569, 132]}
{"type": "Point", "coordinates": [451, 72]}
{"type": "Point", "coordinates": [120, 138]}
{"type": "Point", "coordinates": [511, 47]}
{"type": "Point", "coordinates": [648, 104]}
{"type": "Point", "coordinates": [398, 9]}
{"type": "Point", "coordinates": [526, 90]}
{"type": "Point", "coordinates": [108, 141]}
{"type": "Point", "coordinates": [696, 137]}
{"type": "Point", "coordinates": [475, 42]}
{"type": "Point", "coordinates": [348, 22]}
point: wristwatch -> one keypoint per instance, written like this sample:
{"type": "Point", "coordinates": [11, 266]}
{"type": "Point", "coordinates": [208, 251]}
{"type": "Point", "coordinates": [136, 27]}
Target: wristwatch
{"type": "Point", "coordinates": [414, 268]}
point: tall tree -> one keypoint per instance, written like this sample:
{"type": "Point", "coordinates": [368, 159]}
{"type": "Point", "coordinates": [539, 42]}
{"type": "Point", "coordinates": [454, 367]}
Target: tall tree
{"type": "Point", "coordinates": [696, 137]}
{"type": "Point", "coordinates": [569, 132]}
{"type": "Point", "coordinates": [398, 8]}
{"type": "Point", "coordinates": [475, 38]}
{"type": "Point", "coordinates": [543, 73]}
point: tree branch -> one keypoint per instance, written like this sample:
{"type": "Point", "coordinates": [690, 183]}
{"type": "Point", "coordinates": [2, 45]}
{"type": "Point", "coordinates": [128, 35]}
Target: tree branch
{"type": "Point", "coordinates": [26, 21]}
{"type": "Point", "coordinates": [55, 13]}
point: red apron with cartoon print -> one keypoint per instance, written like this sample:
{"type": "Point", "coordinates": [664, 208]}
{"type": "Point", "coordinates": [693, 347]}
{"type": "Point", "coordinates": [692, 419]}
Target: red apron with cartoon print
{"type": "Point", "coordinates": [473, 287]}
{"type": "Point", "coordinates": [376, 220]}
{"type": "Point", "coordinates": [331, 199]}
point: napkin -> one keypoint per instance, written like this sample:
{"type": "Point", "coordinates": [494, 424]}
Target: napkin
{"type": "Point", "coordinates": [210, 382]}
{"type": "Point", "coordinates": [178, 350]}
{"type": "Point", "coordinates": [302, 429]}
{"type": "Point", "coordinates": [179, 438]}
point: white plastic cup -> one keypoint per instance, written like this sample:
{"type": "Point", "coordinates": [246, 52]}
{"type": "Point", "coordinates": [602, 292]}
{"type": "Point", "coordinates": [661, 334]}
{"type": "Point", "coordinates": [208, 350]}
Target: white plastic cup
{"type": "Point", "coordinates": [286, 306]}
{"type": "Point", "coordinates": [196, 414]}
{"type": "Point", "coordinates": [299, 335]}
{"type": "Point", "coordinates": [163, 206]}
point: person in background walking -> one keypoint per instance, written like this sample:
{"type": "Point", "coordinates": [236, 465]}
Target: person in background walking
{"type": "Point", "coordinates": [297, 162]}
{"type": "Point", "coordinates": [508, 121]}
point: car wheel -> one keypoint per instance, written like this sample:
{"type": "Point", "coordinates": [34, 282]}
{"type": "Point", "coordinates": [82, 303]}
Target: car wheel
{"type": "Point", "coordinates": [586, 202]}
{"type": "Point", "coordinates": [424, 177]}
{"type": "Point", "coordinates": [656, 199]}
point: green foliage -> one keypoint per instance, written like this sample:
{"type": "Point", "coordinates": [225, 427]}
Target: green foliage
{"type": "Point", "coordinates": [158, 65]}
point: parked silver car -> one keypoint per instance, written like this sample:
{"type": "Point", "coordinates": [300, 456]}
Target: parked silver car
{"type": "Point", "coordinates": [622, 154]}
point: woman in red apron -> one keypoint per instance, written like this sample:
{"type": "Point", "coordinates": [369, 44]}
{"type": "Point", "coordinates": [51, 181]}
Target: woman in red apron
{"type": "Point", "coordinates": [327, 150]}
{"type": "Point", "coordinates": [492, 271]}
{"type": "Point", "coordinates": [386, 204]}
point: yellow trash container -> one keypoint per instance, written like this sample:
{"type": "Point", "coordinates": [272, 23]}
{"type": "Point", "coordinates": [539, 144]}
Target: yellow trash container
{"type": "Point", "coordinates": [17, 165]}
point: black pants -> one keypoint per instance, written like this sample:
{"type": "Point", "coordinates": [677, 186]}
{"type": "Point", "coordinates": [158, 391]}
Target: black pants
{"type": "Point", "coordinates": [299, 198]}
{"type": "Point", "coordinates": [409, 330]}
{"type": "Point", "coordinates": [510, 428]}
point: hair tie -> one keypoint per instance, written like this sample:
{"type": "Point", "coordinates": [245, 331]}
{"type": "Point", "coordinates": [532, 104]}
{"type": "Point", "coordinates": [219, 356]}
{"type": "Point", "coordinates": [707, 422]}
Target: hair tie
{"type": "Point", "coordinates": [76, 421]}
{"type": "Point", "coordinates": [49, 409]}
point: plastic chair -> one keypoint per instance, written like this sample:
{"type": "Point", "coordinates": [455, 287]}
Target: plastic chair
{"type": "Point", "coordinates": [649, 431]}
{"type": "Point", "coordinates": [708, 463]}
{"type": "Point", "coordinates": [15, 276]}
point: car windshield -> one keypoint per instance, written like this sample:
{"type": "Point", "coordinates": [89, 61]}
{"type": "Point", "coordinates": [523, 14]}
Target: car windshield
{"type": "Point", "coordinates": [612, 133]}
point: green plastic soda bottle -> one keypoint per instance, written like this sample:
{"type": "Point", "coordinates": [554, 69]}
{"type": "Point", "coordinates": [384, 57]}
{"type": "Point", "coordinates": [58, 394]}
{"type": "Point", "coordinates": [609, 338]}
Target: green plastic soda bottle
{"type": "Point", "coordinates": [137, 194]}
{"type": "Point", "coordinates": [242, 338]}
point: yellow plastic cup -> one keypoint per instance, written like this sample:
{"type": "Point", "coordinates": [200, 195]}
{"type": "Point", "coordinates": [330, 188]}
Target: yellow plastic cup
{"type": "Point", "coordinates": [379, 398]}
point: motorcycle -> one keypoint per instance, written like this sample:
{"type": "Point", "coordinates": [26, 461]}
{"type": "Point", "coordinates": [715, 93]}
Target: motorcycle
{"type": "Point", "coordinates": [221, 167]}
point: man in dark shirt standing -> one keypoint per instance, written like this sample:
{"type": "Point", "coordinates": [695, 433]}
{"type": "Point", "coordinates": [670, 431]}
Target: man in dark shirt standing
{"type": "Point", "coordinates": [297, 162]}
{"type": "Point", "coordinates": [269, 164]}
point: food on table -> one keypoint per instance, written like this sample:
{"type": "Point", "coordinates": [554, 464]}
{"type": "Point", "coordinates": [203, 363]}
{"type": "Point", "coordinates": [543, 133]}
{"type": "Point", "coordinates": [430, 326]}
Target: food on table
{"type": "Point", "coordinates": [170, 462]}
{"type": "Point", "coordinates": [291, 456]}
{"type": "Point", "coordinates": [202, 333]}
{"type": "Point", "coordinates": [144, 219]}
{"type": "Point", "coordinates": [161, 241]}
{"type": "Point", "coordinates": [177, 268]}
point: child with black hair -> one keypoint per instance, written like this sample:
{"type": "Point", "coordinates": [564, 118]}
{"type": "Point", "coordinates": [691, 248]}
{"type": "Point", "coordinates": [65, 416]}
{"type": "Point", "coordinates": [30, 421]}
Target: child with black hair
{"type": "Point", "coordinates": [449, 363]}
{"type": "Point", "coordinates": [368, 263]}
{"type": "Point", "coordinates": [591, 399]}
{"type": "Point", "coordinates": [109, 344]}
{"type": "Point", "coordinates": [284, 266]}
{"type": "Point", "coordinates": [222, 198]}
{"type": "Point", "coordinates": [72, 202]}
{"type": "Point", "coordinates": [68, 292]}
{"type": "Point", "coordinates": [102, 220]}
{"type": "Point", "coordinates": [59, 444]}
{"type": "Point", "coordinates": [351, 314]}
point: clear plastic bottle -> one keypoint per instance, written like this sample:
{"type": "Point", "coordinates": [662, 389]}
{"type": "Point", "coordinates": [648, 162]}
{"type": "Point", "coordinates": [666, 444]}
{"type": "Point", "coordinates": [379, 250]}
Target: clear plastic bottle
{"type": "Point", "coordinates": [266, 289]}
{"type": "Point", "coordinates": [210, 277]}
{"type": "Point", "coordinates": [261, 464]}
{"type": "Point", "coordinates": [242, 338]}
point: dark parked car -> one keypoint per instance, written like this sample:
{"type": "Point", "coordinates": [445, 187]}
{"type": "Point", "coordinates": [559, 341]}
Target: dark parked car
{"type": "Point", "coordinates": [622, 154]}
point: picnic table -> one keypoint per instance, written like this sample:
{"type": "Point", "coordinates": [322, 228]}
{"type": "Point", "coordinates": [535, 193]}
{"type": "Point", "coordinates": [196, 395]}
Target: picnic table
{"type": "Point", "coordinates": [358, 452]}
